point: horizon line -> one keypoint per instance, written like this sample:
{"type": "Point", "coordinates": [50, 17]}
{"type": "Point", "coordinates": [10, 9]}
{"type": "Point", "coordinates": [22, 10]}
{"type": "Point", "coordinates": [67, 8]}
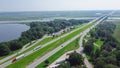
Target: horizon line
{"type": "Point", "coordinates": [60, 10]}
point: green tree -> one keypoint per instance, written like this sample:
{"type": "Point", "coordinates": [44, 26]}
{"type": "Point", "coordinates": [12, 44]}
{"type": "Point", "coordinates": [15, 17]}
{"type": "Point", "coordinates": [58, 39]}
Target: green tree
{"type": "Point", "coordinates": [99, 63]}
{"type": "Point", "coordinates": [111, 66]}
{"type": "Point", "coordinates": [88, 49]}
{"type": "Point", "coordinates": [64, 65]}
{"type": "Point", "coordinates": [4, 50]}
{"type": "Point", "coordinates": [118, 55]}
{"type": "Point", "coordinates": [75, 59]}
{"type": "Point", "coordinates": [46, 62]}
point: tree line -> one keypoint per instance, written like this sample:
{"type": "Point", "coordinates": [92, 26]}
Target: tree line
{"type": "Point", "coordinates": [108, 56]}
{"type": "Point", "coordinates": [75, 60]}
{"type": "Point", "coordinates": [36, 31]}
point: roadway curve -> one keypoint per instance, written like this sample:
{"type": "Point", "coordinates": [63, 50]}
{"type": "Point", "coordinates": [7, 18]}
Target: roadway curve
{"type": "Point", "coordinates": [56, 49]}
{"type": "Point", "coordinates": [80, 50]}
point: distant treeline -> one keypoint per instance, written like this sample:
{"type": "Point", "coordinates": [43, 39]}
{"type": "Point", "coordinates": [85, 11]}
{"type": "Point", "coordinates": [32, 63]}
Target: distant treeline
{"type": "Point", "coordinates": [108, 56]}
{"type": "Point", "coordinates": [36, 31]}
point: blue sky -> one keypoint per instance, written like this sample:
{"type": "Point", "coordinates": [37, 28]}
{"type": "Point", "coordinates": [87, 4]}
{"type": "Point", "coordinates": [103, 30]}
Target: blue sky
{"type": "Point", "coordinates": [58, 5]}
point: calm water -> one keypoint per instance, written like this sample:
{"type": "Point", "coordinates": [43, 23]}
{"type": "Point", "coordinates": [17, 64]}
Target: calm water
{"type": "Point", "coordinates": [11, 31]}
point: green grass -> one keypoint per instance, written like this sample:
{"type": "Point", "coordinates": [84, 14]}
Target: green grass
{"type": "Point", "coordinates": [49, 39]}
{"type": "Point", "coordinates": [30, 58]}
{"type": "Point", "coordinates": [40, 43]}
{"type": "Point", "coordinates": [116, 33]}
{"type": "Point", "coordinates": [71, 46]}
{"type": "Point", "coordinates": [95, 49]}
{"type": "Point", "coordinates": [88, 57]}
{"type": "Point", "coordinates": [99, 42]}
{"type": "Point", "coordinates": [98, 46]}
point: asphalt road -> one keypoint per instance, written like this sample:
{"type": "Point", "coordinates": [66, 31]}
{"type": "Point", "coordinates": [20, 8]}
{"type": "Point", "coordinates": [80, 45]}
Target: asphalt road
{"type": "Point", "coordinates": [34, 64]}
{"type": "Point", "coordinates": [40, 60]}
{"type": "Point", "coordinates": [80, 50]}
{"type": "Point", "coordinates": [23, 49]}
{"type": "Point", "coordinates": [31, 51]}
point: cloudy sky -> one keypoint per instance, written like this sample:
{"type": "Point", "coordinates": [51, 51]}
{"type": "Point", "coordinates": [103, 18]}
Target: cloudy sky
{"type": "Point", "coordinates": [58, 5]}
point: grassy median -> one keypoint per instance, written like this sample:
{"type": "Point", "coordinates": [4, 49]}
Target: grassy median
{"type": "Point", "coordinates": [71, 46]}
{"type": "Point", "coordinates": [30, 58]}
{"type": "Point", "coordinates": [43, 42]}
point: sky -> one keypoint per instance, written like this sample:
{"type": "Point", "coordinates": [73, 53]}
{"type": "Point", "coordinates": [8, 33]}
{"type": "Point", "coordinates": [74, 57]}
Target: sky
{"type": "Point", "coordinates": [58, 5]}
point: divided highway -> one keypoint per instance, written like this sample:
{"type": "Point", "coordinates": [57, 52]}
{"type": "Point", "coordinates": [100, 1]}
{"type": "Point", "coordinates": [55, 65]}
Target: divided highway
{"type": "Point", "coordinates": [40, 60]}
{"type": "Point", "coordinates": [31, 51]}
{"type": "Point", "coordinates": [80, 50]}
{"type": "Point", "coordinates": [22, 50]}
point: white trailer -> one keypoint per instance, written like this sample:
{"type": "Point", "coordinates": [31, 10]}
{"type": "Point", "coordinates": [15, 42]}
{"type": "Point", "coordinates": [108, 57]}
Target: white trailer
{"type": "Point", "coordinates": [60, 61]}
{"type": "Point", "coordinates": [54, 66]}
{"type": "Point", "coordinates": [68, 53]}
{"type": "Point", "coordinates": [20, 56]}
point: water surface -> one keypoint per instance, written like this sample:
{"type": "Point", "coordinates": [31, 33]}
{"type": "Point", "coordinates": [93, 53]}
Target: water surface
{"type": "Point", "coordinates": [11, 31]}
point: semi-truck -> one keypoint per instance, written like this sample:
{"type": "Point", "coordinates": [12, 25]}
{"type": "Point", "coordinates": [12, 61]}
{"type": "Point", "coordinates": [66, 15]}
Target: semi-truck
{"type": "Point", "coordinates": [18, 57]}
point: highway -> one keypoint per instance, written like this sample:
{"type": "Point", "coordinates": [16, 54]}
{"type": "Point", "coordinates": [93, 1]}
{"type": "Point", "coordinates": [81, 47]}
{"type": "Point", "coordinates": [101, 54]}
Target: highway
{"type": "Point", "coordinates": [80, 49]}
{"type": "Point", "coordinates": [22, 50]}
{"type": "Point", "coordinates": [34, 64]}
{"type": "Point", "coordinates": [25, 46]}
{"type": "Point", "coordinates": [40, 60]}
{"type": "Point", "coordinates": [31, 51]}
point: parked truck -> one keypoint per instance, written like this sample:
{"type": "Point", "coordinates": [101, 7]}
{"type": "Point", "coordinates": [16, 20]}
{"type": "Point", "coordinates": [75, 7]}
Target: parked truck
{"type": "Point", "coordinates": [60, 61]}
{"type": "Point", "coordinates": [54, 66]}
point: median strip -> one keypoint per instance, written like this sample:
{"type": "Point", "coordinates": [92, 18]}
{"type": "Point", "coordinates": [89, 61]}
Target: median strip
{"type": "Point", "coordinates": [30, 58]}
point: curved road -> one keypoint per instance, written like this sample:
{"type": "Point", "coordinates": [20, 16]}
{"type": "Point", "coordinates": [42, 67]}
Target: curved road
{"type": "Point", "coordinates": [80, 50]}
{"type": "Point", "coordinates": [34, 64]}
{"type": "Point", "coordinates": [40, 60]}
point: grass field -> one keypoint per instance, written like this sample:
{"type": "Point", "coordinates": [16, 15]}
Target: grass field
{"type": "Point", "coordinates": [97, 45]}
{"type": "Point", "coordinates": [117, 31]}
{"type": "Point", "coordinates": [41, 43]}
{"type": "Point", "coordinates": [99, 42]}
{"type": "Point", "coordinates": [30, 58]}
{"type": "Point", "coordinates": [71, 46]}
{"type": "Point", "coordinates": [50, 39]}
